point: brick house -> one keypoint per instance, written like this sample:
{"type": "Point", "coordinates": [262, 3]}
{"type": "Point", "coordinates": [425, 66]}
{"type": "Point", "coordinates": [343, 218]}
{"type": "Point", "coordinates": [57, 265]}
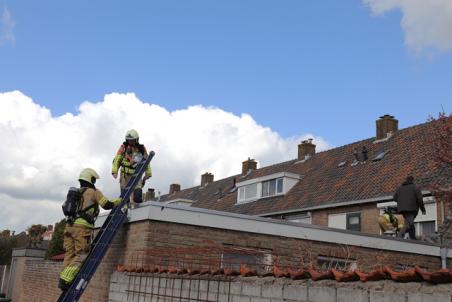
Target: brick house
{"type": "Point", "coordinates": [173, 250]}
{"type": "Point", "coordinates": [344, 187]}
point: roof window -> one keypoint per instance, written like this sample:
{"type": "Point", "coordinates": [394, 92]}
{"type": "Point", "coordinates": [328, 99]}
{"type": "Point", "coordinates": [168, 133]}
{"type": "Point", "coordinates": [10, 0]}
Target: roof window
{"type": "Point", "coordinates": [380, 155]}
{"type": "Point", "coordinates": [342, 163]}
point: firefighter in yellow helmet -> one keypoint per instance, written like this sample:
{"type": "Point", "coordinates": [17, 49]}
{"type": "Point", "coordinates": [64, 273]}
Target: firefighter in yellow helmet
{"type": "Point", "coordinates": [130, 153]}
{"type": "Point", "coordinates": [81, 209]}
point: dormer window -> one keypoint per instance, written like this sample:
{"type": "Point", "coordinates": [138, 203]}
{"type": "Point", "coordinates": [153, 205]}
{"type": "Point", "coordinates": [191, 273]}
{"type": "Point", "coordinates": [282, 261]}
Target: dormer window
{"type": "Point", "coordinates": [266, 186]}
{"type": "Point", "coordinates": [248, 193]}
{"type": "Point", "coordinates": [272, 187]}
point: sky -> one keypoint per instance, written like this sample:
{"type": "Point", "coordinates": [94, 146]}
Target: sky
{"type": "Point", "coordinates": [206, 84]}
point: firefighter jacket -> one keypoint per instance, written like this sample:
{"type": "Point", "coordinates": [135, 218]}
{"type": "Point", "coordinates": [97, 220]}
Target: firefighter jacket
{"type": "Point", "coordinates": [92, 199]}
{"type": "Point", "coordinates": [128, 157]}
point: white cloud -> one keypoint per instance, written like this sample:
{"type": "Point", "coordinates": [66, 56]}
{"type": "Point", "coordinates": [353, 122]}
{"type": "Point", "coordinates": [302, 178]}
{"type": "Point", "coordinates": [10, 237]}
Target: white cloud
{"type": "Point", "coordinates": [427, 23]}
{"type": "Point", "coordinates": [42, 155]}
{"type": "Point", "coordinates": [7, 25]}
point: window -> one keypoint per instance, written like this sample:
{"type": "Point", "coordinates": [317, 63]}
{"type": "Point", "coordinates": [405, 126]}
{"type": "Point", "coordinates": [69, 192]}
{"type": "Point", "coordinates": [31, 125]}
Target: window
{"type": "Point", "coordinates": [266, 186]}
{"type": "Point", "coordinates": [248, 192]}
{"type": "Point", "coordinates": [354, 221]}
{"type": "Point", "coordinates": [380, 156]}
{"type": "Point", "coordinates": [272, 187]}
{"type": "Point", "coordinates": [342, 163]}
{"type": "Point", "coordinates": [303, 218]}
{"type": "Point", "coordinates": [345, 221]}
{"type": "Point", "coordinates": [426, 228]}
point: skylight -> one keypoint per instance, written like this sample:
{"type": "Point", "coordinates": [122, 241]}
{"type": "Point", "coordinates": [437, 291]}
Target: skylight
{"type": "Point", "coordinates": [342, 163]}
{"type": "Point", "coordinates": [380, 156]}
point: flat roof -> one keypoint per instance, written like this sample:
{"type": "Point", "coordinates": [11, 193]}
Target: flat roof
{"type": "Point", "coordinates": [245, 223]}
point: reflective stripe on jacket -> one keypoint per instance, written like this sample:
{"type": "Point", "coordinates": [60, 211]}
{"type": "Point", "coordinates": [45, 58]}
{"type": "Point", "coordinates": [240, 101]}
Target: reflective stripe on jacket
{"type": "Point", "coordinates": [125, 159]}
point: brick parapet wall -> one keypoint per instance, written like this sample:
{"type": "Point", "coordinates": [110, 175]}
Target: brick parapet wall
{"type": "Point", "coordinates": [286, 251]}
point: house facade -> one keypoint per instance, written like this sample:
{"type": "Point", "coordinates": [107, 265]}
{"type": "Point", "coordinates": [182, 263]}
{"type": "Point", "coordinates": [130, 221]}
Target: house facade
{"type": "Point", "coordinates": [345, 187]}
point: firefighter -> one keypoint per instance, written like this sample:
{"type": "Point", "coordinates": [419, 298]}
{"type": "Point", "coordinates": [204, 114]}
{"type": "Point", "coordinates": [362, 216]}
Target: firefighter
{"type": "Point", "coordinates": [389, 222]}
{"type": "Point", "coordinates": [127, 158]}
{"type": "Point", "coordinates": [80, 223]}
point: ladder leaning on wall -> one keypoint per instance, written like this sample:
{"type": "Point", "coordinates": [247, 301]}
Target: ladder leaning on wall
{"type": "Point", "coordinates": [117, 216]}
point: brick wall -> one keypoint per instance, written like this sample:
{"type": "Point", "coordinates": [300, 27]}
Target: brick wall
{"type": "Point", "coordinates": [286, 251]}
{"type": "Point", "coordinates": [132, 242]}
{"type": "Point", "coordinates": [40, 278]}
{"type": "Point", "coordinates": [40, 281]}
{"type": "Point", "coordinates": [369, 216]}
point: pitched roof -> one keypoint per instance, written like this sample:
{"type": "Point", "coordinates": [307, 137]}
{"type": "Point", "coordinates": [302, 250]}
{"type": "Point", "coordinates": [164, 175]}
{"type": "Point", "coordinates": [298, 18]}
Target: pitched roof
{"type": "Point", "coordinates": [325, 183]}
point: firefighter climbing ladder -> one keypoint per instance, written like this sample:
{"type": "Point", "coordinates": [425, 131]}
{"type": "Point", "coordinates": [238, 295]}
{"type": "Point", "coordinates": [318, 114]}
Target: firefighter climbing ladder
{"type": "Point", "coordinates": [105, 236]}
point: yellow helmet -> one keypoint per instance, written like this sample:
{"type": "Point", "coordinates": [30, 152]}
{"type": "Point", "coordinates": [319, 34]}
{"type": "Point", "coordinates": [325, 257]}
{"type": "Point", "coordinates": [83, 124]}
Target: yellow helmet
{"type": "Point", "coordinates": [89, 175]}
{"type": "Point", "coordinates": [132, 134]}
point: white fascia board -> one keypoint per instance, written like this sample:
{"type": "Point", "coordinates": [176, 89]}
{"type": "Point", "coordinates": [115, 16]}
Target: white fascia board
{"type": "Point", "coordinates": [268, 177]}
{"type": "Point", "coordinates": [340, 204]}
{"type": "Point", "coordinates": [252, 224]}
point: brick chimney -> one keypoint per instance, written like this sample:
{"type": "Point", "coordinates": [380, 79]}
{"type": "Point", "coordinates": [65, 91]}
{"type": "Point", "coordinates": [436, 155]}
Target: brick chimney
{"type": "Point", "coordinates": [306, 148]}
{"type": "Point", "coordinates": [206, 179]}
{"type": "Point", "coordinates": [173, 188]}
{"type": "Point", "coordinates": [49, 227]}
{"type": "Point", "coordinates": [149, 195]}
{"type": "Point", "coordinates": [249, 164]}
{"type": "Point", "coordinates": [385, 124]}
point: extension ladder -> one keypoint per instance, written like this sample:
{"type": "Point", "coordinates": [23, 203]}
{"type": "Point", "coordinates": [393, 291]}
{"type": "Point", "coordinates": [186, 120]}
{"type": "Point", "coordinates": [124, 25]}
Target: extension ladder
{"type": "Point", "coordinates": [117, 216]}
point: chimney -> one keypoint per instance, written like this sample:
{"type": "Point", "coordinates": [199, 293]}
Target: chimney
{"type": "Point", "coordinates": [249, 164]}
{"type": "Point", "coordinates": [149, 195]}
{"type": "Point", "coordinates": [386, 124]}
{"type": "Point", "coordinates": [306, 148]}
{"type": "Point", "coordinates": [49, 227]}
{"type": "Point", "coordinates": [173, 188]}
{"type": "Point", "coordinates": [206, 179]}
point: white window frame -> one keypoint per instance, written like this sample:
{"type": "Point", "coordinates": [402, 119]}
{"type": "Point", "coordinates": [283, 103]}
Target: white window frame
{"type": "Point", "coordinates": [242, 199]}
{"type": "Point", "coordinates": [276, 187]}
{"type": "Point", "coordinates": [288, 181]}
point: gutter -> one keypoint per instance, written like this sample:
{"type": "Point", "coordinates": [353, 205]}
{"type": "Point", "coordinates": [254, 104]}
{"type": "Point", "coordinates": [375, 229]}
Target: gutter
{"type": "Point", "coordinates": [339, 204]}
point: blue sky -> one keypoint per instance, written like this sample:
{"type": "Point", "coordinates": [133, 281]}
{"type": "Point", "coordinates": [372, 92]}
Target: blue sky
{"type": "Point", "coordinates": [323, 67]}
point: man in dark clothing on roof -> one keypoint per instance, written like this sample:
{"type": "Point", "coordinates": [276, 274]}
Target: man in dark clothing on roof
{"type": "Point", "coordinates": [409, 201]}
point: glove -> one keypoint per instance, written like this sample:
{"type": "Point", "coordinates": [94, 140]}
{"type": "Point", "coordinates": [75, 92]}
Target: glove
{"type": "Point", "coordinates": [116, 201]}
{"type": "Point", "coordinates": [423, 212]}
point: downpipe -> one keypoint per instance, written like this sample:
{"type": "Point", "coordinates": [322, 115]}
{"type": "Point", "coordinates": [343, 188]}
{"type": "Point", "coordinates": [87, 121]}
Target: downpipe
{"type": "Point", "coordinates": [443, 254]}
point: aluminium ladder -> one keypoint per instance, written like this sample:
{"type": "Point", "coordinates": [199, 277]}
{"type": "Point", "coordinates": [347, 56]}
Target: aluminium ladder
{"type": "Point", "coordinates": [117, 216]}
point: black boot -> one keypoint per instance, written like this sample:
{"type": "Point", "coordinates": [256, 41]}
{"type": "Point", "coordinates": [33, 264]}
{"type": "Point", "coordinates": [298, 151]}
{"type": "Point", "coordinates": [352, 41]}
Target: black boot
{"type": "Point", "coordinates": [63, 285]}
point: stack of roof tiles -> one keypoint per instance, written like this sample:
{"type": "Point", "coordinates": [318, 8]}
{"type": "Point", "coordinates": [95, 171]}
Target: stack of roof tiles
{"type": "Point", "coordinates": [416, 274]}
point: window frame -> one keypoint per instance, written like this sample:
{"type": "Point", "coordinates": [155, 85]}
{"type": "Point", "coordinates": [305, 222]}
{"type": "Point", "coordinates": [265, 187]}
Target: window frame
{"type": "Point", "coordinates": [279, 182]}
{"type": "Point", "coordinates": [243, 199]}
{"type": "Point", "coordinates": [348, 225]}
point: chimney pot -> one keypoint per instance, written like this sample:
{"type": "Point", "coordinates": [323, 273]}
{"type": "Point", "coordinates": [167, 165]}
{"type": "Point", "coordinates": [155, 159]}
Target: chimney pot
{"type": "Point", "coordinates": [206, 179]}
{"type": "Point", "coordinates": [149, 195]}
{"type": "Point", "coordinates": [249, 164]}
{"type": "Point", "coordinates": [386, 124]}
{"type": "Point", "coordinates": [306, 148]}
{"type": "Point", "coordinates": [174, 188]}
